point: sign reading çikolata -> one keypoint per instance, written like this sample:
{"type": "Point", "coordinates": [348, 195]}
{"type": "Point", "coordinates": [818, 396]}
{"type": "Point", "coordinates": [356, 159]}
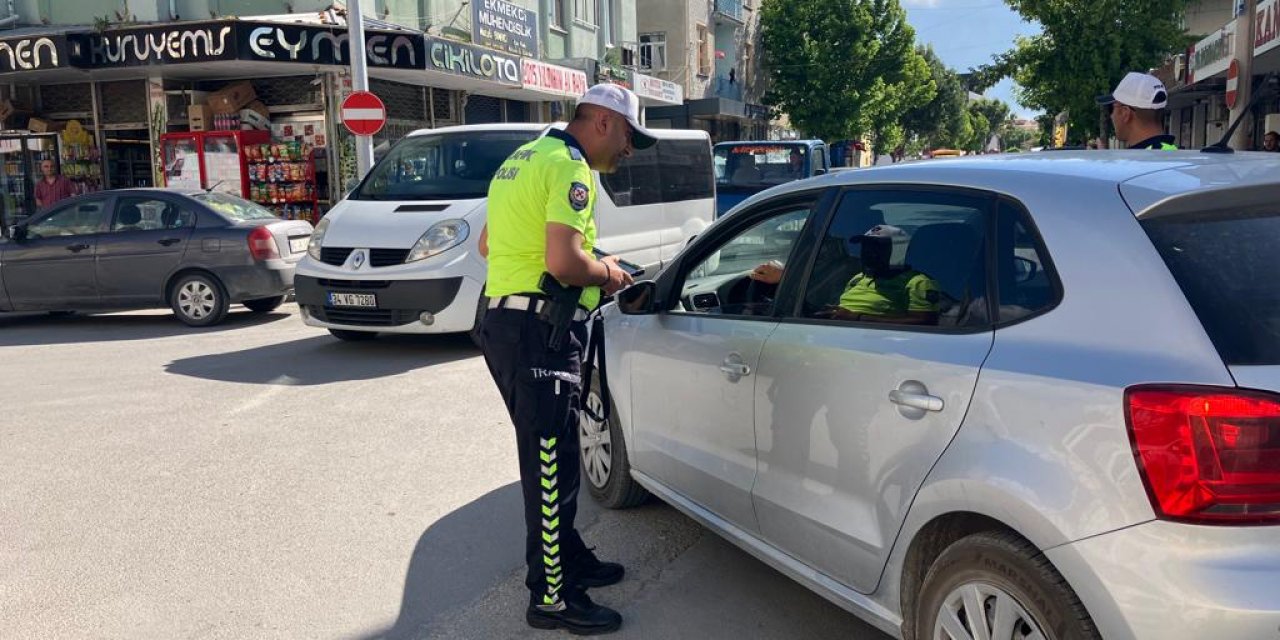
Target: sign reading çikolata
{"type": "Point", "coordinates": [500, 25]}
{"type": "Point", "coordinates": [32, 53]}
{"type": "Point", "coordinates": [474, 62]}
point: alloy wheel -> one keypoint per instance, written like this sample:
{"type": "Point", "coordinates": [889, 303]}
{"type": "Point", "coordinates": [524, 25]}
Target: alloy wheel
{"type": "Point", "coordinates": [981, 611]}
{"type": "Point", "coordinates": [595, 440]}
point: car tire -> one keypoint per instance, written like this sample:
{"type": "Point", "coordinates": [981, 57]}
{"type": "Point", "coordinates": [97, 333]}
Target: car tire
{"type": "Point", "coordinates": [198, 300]}
{"type": "Point", "coordinates": [264, 305]}
{"type": "Point", "coordinates": [606, 470]}
{"type": "Point", "coordinates": [482, 307]}
{"type": "Point", "coordinates": [348, 335]}
{"type": "Point", "coordinates": [1002, 573]}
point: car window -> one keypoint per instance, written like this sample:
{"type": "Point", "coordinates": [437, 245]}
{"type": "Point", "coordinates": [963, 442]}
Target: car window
{"type": "Point", "coordinates": [728, 280]}
{"type": "Point", "coordinates": [234, 208]}
{"type": "Point", "coordinates": [669, 171]}
{"type": "Point", "coordinates": [901, 257]}
{"type": "Point", "coordinates": [82, 218]}
{"type": "Point", "coordinates": [1226, 264]}
{"type": "Point", "coordinates": [1023, 271]}
{"type": "Point", "coordinates": [149, 214]}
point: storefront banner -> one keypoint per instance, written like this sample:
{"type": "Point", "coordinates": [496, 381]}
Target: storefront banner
{"type": "Point", "coordinates": [33, 53]}
{"type": "Point", "coordinates": [1266, 33]}
{"type": "Point", "coordinates": [196, 42]}
{"type": "Point", "coordinates": [500, 25]}
{"type": "Point", "coordinates": [1213, 54]}
{"type": "Point", "coordinates": [467, 60]}
{"type": "Point", "coordinates": [553, 79]}
{"type": "Point", "coordinates": [657, 88]}
{"type": "Point", "coordinates": [311, 44]}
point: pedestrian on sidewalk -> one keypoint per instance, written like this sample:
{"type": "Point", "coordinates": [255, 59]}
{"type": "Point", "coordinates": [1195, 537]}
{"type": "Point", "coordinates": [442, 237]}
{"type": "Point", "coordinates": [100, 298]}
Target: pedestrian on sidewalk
{"type": "Point", "coordinates": [1137, 109]}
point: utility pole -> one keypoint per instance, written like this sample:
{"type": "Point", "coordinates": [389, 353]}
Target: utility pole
{"type": "Point", "coordinates": [1243, 136]}
{"type": "Point", "coordinates": [359, 81]}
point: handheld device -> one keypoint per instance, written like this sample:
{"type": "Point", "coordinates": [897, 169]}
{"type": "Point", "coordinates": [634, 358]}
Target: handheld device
{"type": "Point", "coordinates": [634, 270]}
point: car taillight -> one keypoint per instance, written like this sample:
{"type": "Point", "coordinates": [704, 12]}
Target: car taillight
{"type": "Point", "coordinates": [1207, 455]}
{"type": "Point", "coordinates": [262, 245]}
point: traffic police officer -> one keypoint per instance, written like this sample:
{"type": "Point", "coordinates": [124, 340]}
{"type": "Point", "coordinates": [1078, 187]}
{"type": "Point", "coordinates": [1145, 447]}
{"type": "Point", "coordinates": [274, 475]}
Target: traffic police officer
{"type": "Point", "coordinates": [541, 220]}
{"type": "Point", "coordinates": [1137, 112]}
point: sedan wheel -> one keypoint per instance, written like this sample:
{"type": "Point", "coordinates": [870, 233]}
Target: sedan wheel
{"type": "Point", "coordinates": [604, 456]}
{"type": "Point", "coordinates": [977, 611]}
{"type": "Point", "coordinates": [198, 300]}
{"type": "Point", "coordinates": [597, 452]}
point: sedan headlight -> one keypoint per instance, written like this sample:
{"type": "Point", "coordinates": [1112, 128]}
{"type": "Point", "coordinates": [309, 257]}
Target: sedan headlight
{"type": "Point", "coordinates": [317, 239]}
{"type": "Point", "coordinates": [441, 237]}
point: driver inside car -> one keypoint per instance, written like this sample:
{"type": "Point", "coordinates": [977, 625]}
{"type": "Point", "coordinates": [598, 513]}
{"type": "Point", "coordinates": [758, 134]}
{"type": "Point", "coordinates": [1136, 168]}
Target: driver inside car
{"type": "Point", "coordinates": [882, 291]}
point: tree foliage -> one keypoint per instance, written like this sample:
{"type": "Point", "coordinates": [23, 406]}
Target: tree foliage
{"type": "Point", "coordinates": [1085, 47]}
{"type": "Point", "coordinates": [843, 68]}
{"type": "Point", "coordinates": [941, 122]}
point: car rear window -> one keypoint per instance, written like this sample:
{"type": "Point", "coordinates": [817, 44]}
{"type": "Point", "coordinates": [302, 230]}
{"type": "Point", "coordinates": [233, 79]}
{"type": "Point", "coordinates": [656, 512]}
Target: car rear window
{"type": "Point", "coordinates": [1227, 266]}
{"type": "Point", "coordinates": [233, 208]}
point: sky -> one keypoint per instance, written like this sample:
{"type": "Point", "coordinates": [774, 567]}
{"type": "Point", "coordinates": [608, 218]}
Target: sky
{"type": "Point", "coordinates": [966, 33]}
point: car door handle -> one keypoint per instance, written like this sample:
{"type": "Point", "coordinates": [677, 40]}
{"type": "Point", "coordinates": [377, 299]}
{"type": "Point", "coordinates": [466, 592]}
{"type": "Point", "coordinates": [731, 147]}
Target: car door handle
{"type": "Point", "coordinates": [734, 367]}
{"type": "Point", "coordinates": [169, 241]}
{"type": "Point", "coordinates": [914, 400]}
{"type": "Point", "coordinates": [77, 248]}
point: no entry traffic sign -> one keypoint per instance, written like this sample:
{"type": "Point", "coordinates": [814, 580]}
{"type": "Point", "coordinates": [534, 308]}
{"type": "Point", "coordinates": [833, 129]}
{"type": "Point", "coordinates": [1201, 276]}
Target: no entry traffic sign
{"type": "Point", "coordinates": [363, 113]}
{"type": "Point", "coordinates": [1233, 83]}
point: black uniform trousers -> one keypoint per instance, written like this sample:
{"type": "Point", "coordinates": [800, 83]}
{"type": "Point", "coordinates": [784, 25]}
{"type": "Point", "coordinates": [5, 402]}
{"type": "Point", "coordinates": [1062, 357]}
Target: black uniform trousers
{"type": "Point", "coordinates": [541, 389]}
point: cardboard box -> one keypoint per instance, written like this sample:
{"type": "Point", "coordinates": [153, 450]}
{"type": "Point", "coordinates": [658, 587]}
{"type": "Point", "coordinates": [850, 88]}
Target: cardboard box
{"type": "Point", "coordinates": [40, 125]}
{"type": "Point", "coordinates": [251, 120]}
{"type": "Point", "coordinates": [232, 98]}
{"type": "Point", "coordinates": [200, 117]}
{"type": "Point", "coordinates": [259, 108]}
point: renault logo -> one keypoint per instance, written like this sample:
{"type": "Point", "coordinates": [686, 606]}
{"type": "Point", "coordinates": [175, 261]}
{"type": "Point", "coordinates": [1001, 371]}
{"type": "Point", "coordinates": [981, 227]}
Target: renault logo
{"type": "Point", "coordinates": [358, 260]}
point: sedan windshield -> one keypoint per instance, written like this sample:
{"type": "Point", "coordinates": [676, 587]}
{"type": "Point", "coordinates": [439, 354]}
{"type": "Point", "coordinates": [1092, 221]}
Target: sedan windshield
{"type": "Point", "coordinates": [233, 208]}
{"type": "Point", "coordinates": [451, 166]}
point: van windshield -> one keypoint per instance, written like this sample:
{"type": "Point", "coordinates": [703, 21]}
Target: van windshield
{"type": "Point", "coordinates": [755, 166]}
{"type": "Point", "coordinates": [450, 166]}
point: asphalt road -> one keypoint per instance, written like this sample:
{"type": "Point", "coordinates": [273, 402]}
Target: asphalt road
{"type": "Point", "coordinates": [262, 480]}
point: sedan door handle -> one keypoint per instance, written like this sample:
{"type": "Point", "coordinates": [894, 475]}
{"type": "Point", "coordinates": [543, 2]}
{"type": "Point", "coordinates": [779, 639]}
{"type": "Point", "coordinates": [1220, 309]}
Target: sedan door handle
{"type": "Point", "coordinates": [734, 367]}
{"type": "Point", "coordinates": [169, 241]}
{"type": "Point", "coordinates": [921, 401]}
{"type": "Point", "coordinates": [77, 248]}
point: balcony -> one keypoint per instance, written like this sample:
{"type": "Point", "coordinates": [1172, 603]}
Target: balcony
{"type": "Point", "coordinates": [722, 88]}
{"type": "Point", "coordinates": [731, 9]}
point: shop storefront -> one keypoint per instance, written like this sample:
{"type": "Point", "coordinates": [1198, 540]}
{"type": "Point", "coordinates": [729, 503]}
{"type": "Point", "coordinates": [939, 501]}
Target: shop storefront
{"type": "Point", "coordinates": [1266, 60]}
{"type": "Point", "coordinates": [1198, 113]}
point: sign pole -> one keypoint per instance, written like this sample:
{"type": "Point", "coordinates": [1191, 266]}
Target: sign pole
{"type": "Point", "coordinates": [359, 81]}
{"type": "Point", "coordinates": [1243, 137]}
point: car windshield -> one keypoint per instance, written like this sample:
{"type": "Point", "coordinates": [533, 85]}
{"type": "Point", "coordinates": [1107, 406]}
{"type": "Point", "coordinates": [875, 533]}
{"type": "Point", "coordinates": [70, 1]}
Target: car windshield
{"type": "Point", "coordinates": [1226, 264]}
{"type": "Point", "coordinates": [756, 166]}
{"type": "Point", "coordinates": [234, 208]}
{"type": "Point", "coordinates": [451, 166]}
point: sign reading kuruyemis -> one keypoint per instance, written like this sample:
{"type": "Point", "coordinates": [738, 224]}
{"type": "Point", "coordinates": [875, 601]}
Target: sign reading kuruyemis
{"type": "Point", "coordinates": [1213, 54]}
{"type": "Point", "coordinates": [500, 25]}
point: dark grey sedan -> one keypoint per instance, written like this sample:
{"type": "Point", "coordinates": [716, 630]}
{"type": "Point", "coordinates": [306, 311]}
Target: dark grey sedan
{"type": "Point", "coordinates": [193, 251]}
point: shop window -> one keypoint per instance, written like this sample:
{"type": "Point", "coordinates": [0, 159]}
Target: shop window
{"type": "Point", "coordinates": [124, 102]}
{"type": "Point", "coordinates": [444, 107]}
{"type": "Point", "coordinates": [483, 110]}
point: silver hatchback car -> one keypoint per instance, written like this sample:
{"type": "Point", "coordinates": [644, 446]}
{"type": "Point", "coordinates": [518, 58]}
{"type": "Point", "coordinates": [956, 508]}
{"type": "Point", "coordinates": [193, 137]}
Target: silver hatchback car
{"type": "Point", "coordinates": [1001, 397]}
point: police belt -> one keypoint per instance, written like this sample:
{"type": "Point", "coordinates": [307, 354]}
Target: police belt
{"type": "Point", "coordinates": [530, 303]}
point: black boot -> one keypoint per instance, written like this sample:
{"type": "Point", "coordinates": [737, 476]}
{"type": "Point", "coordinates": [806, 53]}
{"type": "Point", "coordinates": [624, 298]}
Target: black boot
{"type": "Point", "coordinates": [594, 573]}
{"type": "Point", "coordinates": [579, 615]}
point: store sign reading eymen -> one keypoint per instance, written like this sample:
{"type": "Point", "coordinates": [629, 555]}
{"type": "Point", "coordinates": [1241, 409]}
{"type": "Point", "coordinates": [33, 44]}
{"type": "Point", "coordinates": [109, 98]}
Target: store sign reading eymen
{"type": "Point", "coordinates": [1266, 35]}
{"type": "Point", "coordinates": [467, 60]}
{"type": "Point", "coordinates": [134, 47]}
{"type": "Point", "coordinates": [504, 26]}
{"type": "Point", "coordinates": [319, 45]}
{"type": "Point", "coordinates": [554, 79]}
{"type": "Point", "coordinates": [24, 54]}
{"type": "Point", "coordinates": [1213, 54]}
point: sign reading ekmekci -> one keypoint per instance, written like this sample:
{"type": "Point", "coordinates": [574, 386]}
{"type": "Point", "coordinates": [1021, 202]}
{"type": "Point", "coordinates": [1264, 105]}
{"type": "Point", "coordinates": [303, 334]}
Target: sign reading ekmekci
{"type": "Point", "coordinates": [500, 25]}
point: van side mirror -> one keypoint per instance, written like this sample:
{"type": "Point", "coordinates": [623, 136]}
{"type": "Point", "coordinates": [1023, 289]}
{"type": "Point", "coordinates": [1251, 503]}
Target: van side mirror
{"type": "Point", "coordinates": [639, 299]}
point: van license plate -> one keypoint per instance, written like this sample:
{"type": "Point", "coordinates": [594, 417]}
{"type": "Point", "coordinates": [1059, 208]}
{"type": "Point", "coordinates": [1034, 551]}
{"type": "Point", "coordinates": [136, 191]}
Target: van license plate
{"type": "Point", "coordinates": [352, 300]}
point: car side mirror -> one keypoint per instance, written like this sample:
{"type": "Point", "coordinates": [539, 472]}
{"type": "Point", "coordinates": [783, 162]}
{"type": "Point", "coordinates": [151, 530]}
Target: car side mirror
{"type": "Point", "coordinates": [639, 299]}
{"type": "Point", "coordinates": [818, 172]}
{"type": "Point", "coordinates": [19, 233]}
{"type": "Point", "coordinates": [1024, 270]}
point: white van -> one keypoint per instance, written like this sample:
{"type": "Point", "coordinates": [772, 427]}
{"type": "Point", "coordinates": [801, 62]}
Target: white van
{"type": "Point", "coordinates": [400, 253]}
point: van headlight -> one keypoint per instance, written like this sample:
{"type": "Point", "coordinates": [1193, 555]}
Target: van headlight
{"type": "Point", "coordinates": [317, 239]}
{"type": "Point", "coordinates": [441, 237]}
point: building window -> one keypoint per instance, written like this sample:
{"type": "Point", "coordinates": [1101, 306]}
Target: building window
{"type": "Point", "coordinates": [653, 51]}
{"type": "Point", "coordinates": [585, 11]}
{"type": "Point", "coordinates": [557, 13]}
{"type": "Point", "coordinates": [704, 51]}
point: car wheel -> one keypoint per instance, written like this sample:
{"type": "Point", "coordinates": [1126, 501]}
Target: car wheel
{"type": "Point", "coordinates": [482, 307]}
{"type": "Point", "coordinates": [198, 300]}
{"type": "Point", "coordinates": [604, 456]}
{"type": "Point", "coordinates": [353, 336]}
{"type": "Point", "coordinates": [264, 305]}
{"type": "Point", "coordinates": [997, 585]}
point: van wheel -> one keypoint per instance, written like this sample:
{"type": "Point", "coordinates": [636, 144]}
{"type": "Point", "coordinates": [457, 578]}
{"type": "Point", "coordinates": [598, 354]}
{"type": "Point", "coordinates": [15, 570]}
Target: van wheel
{"type": "Point", "coordinates": [198, 300]}
{"type": "Point", "coordinates": [353, 336]}
{"type": "Point", "coordinates": [482, 307]}
{"type": "Point", "coordinates": [604, 457]}
{"type": "Point", "coordinates": [997, 585]}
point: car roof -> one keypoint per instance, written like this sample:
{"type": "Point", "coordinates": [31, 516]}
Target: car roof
{"type": "Point", "coordinates": [139, 190]}
{"type": "Point", "coordinates": [1144, 177]}
{"type": "Point", "coordinates": [808, 143]}
{"type": "Point", "coordinates": [661, 134]}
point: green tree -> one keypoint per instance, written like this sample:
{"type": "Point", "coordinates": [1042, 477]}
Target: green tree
{"type": "Point", "coordinates": [1085, 47]}
{"type": "Point", "coordinates": [941, 121]}
{"type": "Point", "coordinates": [843, 68]}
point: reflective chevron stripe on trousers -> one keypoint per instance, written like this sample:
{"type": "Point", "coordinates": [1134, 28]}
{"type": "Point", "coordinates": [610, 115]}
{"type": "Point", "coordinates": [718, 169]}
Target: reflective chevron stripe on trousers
{"type": "Point", "coordinates": [541, 389]}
